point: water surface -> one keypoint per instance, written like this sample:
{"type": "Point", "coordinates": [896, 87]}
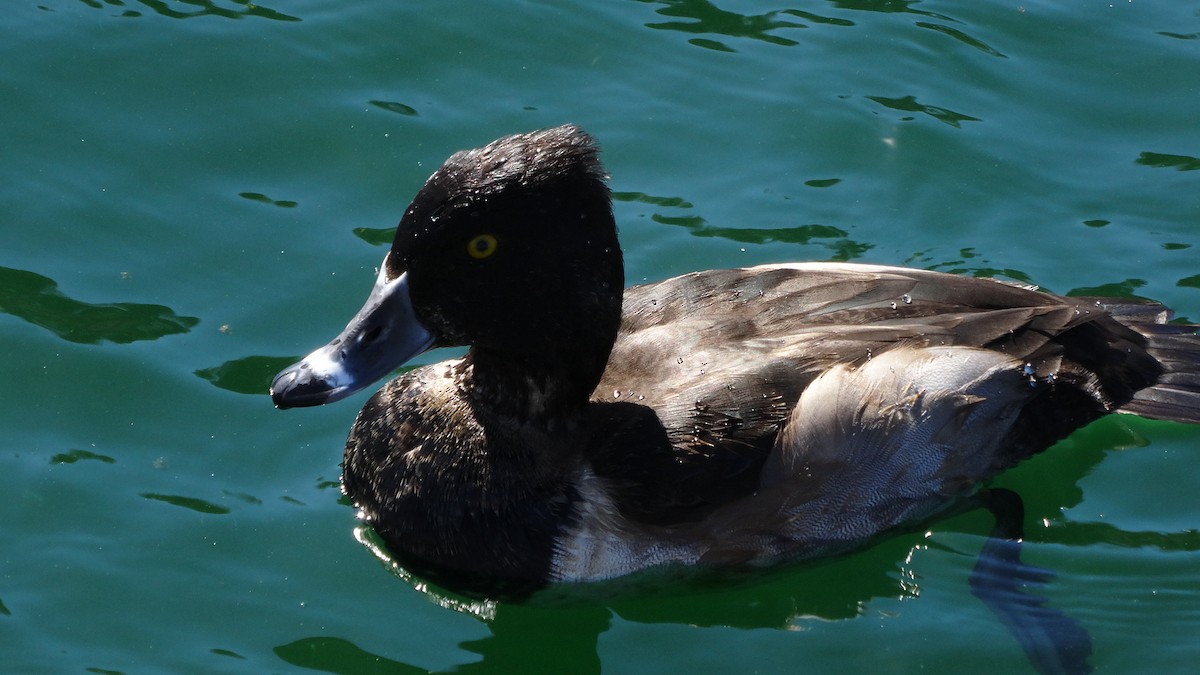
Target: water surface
{"type": "Point", "coordinates": [197, 191]}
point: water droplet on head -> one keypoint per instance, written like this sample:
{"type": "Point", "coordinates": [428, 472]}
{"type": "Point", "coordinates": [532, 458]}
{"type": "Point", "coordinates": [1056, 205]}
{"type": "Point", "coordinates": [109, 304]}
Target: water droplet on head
{"type": "Point", "coordinates": [907, 299]}
{"type": "Point", "coordinates": [893, 304]}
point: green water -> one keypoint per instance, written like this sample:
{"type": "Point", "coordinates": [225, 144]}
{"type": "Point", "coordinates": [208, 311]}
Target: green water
{"type": "Point", "coordinates": [192, 193]}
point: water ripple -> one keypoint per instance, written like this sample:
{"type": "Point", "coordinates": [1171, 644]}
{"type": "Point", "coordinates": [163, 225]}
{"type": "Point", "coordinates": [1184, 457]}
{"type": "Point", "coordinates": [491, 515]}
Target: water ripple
{"type": "Point", "coordinates": [961, 37]}
{"type": "Point", "coordinates": [376, 236]}
{"type": "Point", "coordinates": [1163, 161]}
{"type": "Point", "coordinates": [338, 655]}
{"type": "Point", "coordinates": [193, 503]}
{"type": "Point", "coordinates": [841, 247]}
{"type": "Point", "coordinates": [259, 197]}
{"type": "Point", "coordinates": [396, 107]}
{"type": "Point", "coordinates": [248, 375]}
{"type": "Point", "coordinates": [168, 8]}
{"type": "Point", "coordinates": [36, 299]}
{"type": "Point", "coordinates": [910, 104]}
{"type": "Point", "coordinates": [708, 19]}
{"type": "Point", "coordinates": [72, 456]}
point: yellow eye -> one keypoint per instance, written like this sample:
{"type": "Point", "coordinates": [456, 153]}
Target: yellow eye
{"type": "Point", "coordinates": [482, 246]}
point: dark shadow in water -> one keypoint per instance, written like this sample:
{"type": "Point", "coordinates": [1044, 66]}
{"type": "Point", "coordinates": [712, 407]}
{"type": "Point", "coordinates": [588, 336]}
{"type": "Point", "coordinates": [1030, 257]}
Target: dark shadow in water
{"type": "Point", "coordinates": [396, 107]}
{"type": "Point", "coordinates": [1189, 282]}
{"type": "Point", "coordinates": [187, 9]}
{"type": "Point", "coordinates": [36, 299]}
{"type": "Point", "coordinates": [1118, 289]}
{"type": "Point", "coordinates": [888, 7]}
{"type": "Point", "coordinates": [335, 655]}
{"type": "Point", "coordinates": [708, 19]}
{"type": "Point", "coordinates": [227, 652]}
{"type": "Point", "coordinates": [961, 37]}
{"type": "Point", "coordinates": [72, 456]}
{"type": "Point", "coordinates": [835, 240]}
{"type": "Point", "coordinates": [910, 104]}
{"type": "Point", "coordinates": [1161, 161]}
{"type": "Point", "coordinates": [961, 266]}
{"type": "Point", "coordinates": [643, 198]}
{"type": "Point", "coordinates": [376, 236]}
{"type": "Point", "coordinates": [191, 503]}
{"type": "Point", "coordinates": [569, 636]}
{"type": "Point", "coordinates": [247, 375]}
{"type": "Point", "coordinates": [832, 238]}
{"type": "Point", "coordinates": [263, 199]}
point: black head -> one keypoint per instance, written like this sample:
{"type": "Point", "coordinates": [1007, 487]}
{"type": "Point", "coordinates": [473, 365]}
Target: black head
{"type": "Point", "coordinates": [511, 249]}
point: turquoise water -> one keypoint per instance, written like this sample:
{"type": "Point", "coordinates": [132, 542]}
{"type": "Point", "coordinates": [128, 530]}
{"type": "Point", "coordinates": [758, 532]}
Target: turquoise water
{"type": "Point", "coordinates": [196, 191]}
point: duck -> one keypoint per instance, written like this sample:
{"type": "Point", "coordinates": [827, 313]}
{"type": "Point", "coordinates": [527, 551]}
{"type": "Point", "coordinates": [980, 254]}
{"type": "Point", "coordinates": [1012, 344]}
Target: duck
{"type": "Point", "coordinates": [720, 420]}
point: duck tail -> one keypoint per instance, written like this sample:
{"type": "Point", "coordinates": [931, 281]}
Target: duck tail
{"type": "Point", "coordinates": [1175, 394]}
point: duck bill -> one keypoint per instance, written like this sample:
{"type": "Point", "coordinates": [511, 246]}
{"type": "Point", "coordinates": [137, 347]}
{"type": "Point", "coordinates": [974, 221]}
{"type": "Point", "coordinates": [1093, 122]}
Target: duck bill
{"type": "Point", "coordinates": [381, 337]}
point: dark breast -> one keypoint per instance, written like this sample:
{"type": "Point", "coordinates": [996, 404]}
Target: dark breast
{"type": "Point", "coordinates": [450, 504]}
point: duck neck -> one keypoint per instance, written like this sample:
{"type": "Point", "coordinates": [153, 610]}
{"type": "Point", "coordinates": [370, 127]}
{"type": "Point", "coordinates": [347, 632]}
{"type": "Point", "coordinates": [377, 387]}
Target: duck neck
{"type": "Point", "coordinates": [551, 385]}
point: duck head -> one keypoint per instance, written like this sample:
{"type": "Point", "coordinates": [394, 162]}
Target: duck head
{"type": "Point", "coordinates": [509, 249]}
